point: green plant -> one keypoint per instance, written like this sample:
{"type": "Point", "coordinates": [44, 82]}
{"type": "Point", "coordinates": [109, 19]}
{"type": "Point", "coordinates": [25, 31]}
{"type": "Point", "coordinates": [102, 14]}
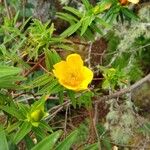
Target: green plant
{"type": "Point", "coordinates": [49, 103]}
{"type": "Point", "coordinates": [41, 37]}
{"type": "Point", "coordinates": [84, 23]}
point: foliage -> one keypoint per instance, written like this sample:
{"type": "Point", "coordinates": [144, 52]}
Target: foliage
{"type": "Point", "coordinates": [85, 23]}
{"type": "Point", "coordinates": [92, 18]}
{"type": "Point", "coordinates": [49, 103]}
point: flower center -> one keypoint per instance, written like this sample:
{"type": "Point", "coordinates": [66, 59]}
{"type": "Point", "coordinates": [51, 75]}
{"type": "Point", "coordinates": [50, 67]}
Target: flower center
{"type": "Point", "coordinates": [73, 79]}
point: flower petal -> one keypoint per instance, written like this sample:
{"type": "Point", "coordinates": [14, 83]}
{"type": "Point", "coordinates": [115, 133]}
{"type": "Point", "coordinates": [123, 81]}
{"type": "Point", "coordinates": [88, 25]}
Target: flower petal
{"type": "Point", "coordinates": [74, 88]}
{"type": "Point", "coordinates": [74, 60]}
{"type": "Point", "coordinates": [59, 69]}
{"type": "Point", "coordinates": [88, 76]}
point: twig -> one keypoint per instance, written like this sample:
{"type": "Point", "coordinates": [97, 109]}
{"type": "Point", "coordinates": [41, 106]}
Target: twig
{"type": "Point", "coordinates": [94, 123]}
{"type": "Point", "coordinates": [44, 68]}
{"type": "Point", "coordinates": [58, 109]}
{"type": "Point", "coordinates": [66, 118]}
{"type": "Point", "coordinates": [7, 9]}
{"type": "Point", "coordinates": [35, 66]}
{"type": "Point", "coordinates": [89, 55]}
{"type": "Point", "coordinates": [24, 93]}
{"type": "Point", "coordinates": [123, 91]}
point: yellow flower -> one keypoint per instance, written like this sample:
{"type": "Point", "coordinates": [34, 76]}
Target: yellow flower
{"type": "Point", "coordinates": [72, 74]}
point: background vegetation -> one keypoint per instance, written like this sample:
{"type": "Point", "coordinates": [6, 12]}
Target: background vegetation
{"type": "Point", "coordinates": [113, 39]}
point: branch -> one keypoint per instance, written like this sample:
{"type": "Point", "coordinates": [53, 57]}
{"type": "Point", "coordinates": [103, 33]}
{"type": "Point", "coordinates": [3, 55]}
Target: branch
{"type": "Point", "coordinates": [124, 91]}
{"type": "Point", "coordinates": [34, 67]}
{"type": "Point", "coordinates": [7, 9]}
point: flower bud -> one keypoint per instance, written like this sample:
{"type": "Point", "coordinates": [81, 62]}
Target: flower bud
{"type": "Point", "coordinates": [37, 115]}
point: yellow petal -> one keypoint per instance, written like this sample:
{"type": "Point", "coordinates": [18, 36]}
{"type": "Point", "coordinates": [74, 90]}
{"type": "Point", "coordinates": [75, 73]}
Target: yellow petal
{"type": "Point", "coordinates": [74, 88]}
{"type": "Point", "coordinates": [134, 1]}
{"type": "Point", "coordinates": [88, 76]}
{"type": "Point", "coordinates": [74, 60]}
{"type": "Point", "coordinates": [59, 69]}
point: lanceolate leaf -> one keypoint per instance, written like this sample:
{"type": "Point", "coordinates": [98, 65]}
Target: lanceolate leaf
{"type": "Point", "coordinates": [68, 142]}
{"type": "Point", "coordinates": [40, 81]}
{"type": "Point", "coordinates": [67, 17]}
{"type": "Point", "coordinates": [9, 81]}
{"type": "Point", "coordinates": [74, 11]}
{"type": "Point", "coordinates": [92, 147]}
{"type": "Point", "coordinates": [86, 21]}
{"type": "Point", "coordinates": [86, 4]}
{"type": "Point", "coordinates": [25, 128]}
{"type": "Point", "coordinates": [12, 111]}
{"type": "Point", "coordinates": [49, 142]}
{"type": "Point", "coordinates": [72, 29]}
{"type": "Point", "coordinates": [8, 71]}
{"type": "Point", "coordinates": [129, 13]}
{"type": "Point", "coordinates": [3, 140]}
{"type": "Point", "coordinates": [51, 58]}
{"type": "Point", "coordinates": [8, 76]}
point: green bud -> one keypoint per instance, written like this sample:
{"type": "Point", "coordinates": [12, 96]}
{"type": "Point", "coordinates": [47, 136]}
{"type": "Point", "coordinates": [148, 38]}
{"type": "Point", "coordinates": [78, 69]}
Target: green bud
{"type": "Point", "coordinates": [37, 115]}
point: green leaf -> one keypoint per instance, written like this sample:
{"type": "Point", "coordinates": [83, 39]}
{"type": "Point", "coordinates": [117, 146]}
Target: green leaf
{"type": "Point", "coordinates": [112, 12]}
{"type": "Point", "coordinates": [49, 88]}
{"type": "Point", "coordinates": [106, 84]}
{"type": "Point", "coordinates": [57, 88]}
{"type": "Point", "coordinates": [106, 141]}
{"type": "Point", "coordinates": [8, 76]}
{"type": "Point", "coordinates": [61, 97]}
{"type": "Point", "coordinates": [68, 142]}
{"type": "Point", "coordinates": [40, 81]}
{"type": "Point", "coordinates": [92, 147]}
{"type": "Point", "coordinates": [85, 99]}
{"type": "Point", "coordinates": [13, 126]}
{"type": "Point", "coordinates": [100, 7]}
{"type": "Point", "coordinates": [73, 10]}
{"type": "Point", "coordinates": [10, 81]}
{"type": "Point", "coordinates": [25, 128]}
{"type": "Point", "coordinates": [29, 142]}
{"type": "Point", "coordinates": [86, 21]}
{"type": "Point", "coordinates": [129, 13]}
{"type": "Point", "coordinates": [13, 111]}
{"type": "Point", "coordinates": [49, 142]}
{"type": "Point", "coordinates": [3, 99]}
{"type": "Point", "coordinates": [39, 133]}
{"type": "Point", "coordinates": [67, 17]}
{"type": "Point", "coordinates": [3, 140]}
{"type": "Point", "coordinates": [89, 35]}
{"type": "Point", "coordinates": [38, 104]}
{"type": "Point", "coordinates": [87, 5]}
{"type": "Point", "coordinates": [15, 18]}
{"type": "Point", "coordinates": [8, 71]}
{"type": "Point", "coordinates": [45, 126]}
{"type": "Point", "coordinates": [24, 109]}
{"type": "Point", "coordinates": [96, 29]}
{"type": "Point", "coordinates": [66, 47]}
{"type": "Point", "coordinates": [72, 29]}
{"type": "Point", "coordinates": [51, 58]}
{"type": "Point", "coordinates": [102, 22]}
{"type": "Point", "coordinates": [71, 95]}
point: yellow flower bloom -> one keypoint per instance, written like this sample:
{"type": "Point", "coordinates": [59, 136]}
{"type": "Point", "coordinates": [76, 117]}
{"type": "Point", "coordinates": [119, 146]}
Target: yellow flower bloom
{"type": "Point", "coordinates": [72, 74]}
